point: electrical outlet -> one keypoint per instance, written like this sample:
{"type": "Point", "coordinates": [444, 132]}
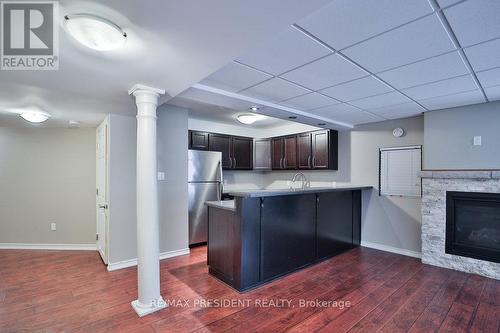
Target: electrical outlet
{"type": "Point", "coordinates": [477, 141]}
{"type": "Point", "coordinates": [53, 227]}
{"type": "Point", "coordinates": [161, 175]}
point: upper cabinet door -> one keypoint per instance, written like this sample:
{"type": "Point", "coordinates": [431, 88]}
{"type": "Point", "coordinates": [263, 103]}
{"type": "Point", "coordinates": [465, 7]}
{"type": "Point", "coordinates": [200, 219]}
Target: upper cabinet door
{"type": "Point", "coordinates": [262, 154]}
{"type": "Point", "coordinates": [304, 151]}
{"type": "Point", "coordinates": [242, 153]}
{"type": "Point", "coordinates": [198, 140]}
{"type": "Point", "coordinates": [320, 149]}
{"type": "Point", "coordinates": [277, 153]}
{"type": "Point", "coordinates": [222, 143]}
{"type": "Point", "coordinates": [325, 149]}
{"type": "Point", "coordinates": [290, 153]}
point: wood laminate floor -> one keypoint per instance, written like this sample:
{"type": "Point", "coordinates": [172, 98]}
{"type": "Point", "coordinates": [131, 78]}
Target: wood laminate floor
{"type": "Point", "coordinates": [363, 290]}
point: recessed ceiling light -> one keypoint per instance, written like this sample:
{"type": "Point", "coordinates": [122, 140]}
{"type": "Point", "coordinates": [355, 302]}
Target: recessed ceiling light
{"type": "Point", "coordinates": [292, 117]}
{"type": "Point", "coordinates": [35, 116]}
{"type": "Point", "coordinates": [95, 32]}
{"type": "Point", "coordinates": [254, 108]}
{"type": "Point", "coordinates": [321, 124]}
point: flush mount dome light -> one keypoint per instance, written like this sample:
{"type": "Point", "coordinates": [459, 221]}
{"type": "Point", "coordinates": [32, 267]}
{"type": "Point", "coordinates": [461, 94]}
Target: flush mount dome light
{"type": "Point", "coordinates": [247, 118]}
{"type": "Point", "coordinates": [35, 116]}
{"type": "Point", "coordinates": [95, 32]}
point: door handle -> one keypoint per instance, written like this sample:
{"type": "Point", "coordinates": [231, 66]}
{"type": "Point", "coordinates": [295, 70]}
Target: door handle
{"type": "Point", "coordinates": [103, 206]}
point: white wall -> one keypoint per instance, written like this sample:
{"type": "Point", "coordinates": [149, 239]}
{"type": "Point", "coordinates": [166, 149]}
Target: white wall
{"type": "Point", "coordinates": [47, 175]}
{"type": "Point", "coordinates": [449, 137]}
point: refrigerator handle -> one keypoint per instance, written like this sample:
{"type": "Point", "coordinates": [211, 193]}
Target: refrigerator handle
{"type": "Point", "coordinates": [220, 183]}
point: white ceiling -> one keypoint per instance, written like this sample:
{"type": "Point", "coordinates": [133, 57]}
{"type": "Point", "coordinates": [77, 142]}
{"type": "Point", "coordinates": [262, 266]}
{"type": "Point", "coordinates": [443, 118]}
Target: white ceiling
{"type": "Point", "coordinates": [170, 45]}
{"type": "Point", "coordinates": [359, 61]}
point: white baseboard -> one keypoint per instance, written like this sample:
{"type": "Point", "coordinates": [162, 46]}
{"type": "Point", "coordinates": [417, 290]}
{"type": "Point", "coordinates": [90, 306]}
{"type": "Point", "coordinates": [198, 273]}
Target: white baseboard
{"type": "Point", "coordinates": [391, 249]}
{"type": "Point", "coordinates": [32, 246]}
{"type": "Point", "coordinates": [113, 266]}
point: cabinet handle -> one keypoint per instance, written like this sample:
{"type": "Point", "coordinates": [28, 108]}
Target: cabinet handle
{"type": "Point", "coordinates": [230, 163]}
{"type": "Point", "coordinates": [281, 163]}
{"type": "Point", "coordinates": [284, 163]}
{"type": "Point", "coordinates": [314, 161]}
{"type": "Point", "coordinates": [309, 162]}
{"type": "Point", "coordinates": [234, 158]}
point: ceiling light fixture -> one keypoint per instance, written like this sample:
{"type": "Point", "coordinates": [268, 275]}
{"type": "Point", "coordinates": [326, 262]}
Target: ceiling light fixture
{"type": "Point", "coordinates": [292, 117]}
{"type": "Point", "coordinates": [321, 124]}
{"type": "Point", "coordinates": [247, 119]}
{"type": "Point", "coordinates": [35, 116]}
{"type": "Point", "coordinates": [254, 108]}
{"type": "Point", "coordinates": [95, 32]}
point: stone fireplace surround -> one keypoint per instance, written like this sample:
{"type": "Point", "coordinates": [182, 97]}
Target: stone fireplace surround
{"type": "Point", "coordinates": [434, 187]}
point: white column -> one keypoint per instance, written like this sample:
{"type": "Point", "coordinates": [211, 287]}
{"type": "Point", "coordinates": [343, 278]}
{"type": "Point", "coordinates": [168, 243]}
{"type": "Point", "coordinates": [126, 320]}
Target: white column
{"type": "Point", "coordinates": [148, 252]}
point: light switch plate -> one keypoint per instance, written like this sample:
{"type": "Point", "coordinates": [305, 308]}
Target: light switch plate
{"type": "Point", "coordinates": [477, 141]}
{"type": "Point", "coordinates": [161, 175]}
{"type": "Point", "coordinates": [53, 227]}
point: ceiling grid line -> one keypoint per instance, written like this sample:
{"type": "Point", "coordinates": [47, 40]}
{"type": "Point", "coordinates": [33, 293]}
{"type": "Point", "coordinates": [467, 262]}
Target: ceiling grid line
{"type": "Point", "coordinates": [454, 40]}
{"type": "Point", "coordinates": [296, 26]}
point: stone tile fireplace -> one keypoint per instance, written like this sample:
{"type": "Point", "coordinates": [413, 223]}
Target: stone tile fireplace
{"type": "Point", "coordinates": [479, 212]}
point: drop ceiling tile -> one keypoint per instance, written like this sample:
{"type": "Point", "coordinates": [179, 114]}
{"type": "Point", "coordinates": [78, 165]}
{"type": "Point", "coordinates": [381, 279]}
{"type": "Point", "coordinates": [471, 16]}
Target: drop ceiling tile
{"type": "Point", "coordinates": [345, 22]}
{"type": "Point", "coordinates": [441, 88]}
{"type": "Point", "coordinates": [379, 101]}
{"type": "Point", "coordinates": [446, 3]}
{"type": "Point", "coordinates": [234, 77]}
{"type": "Point", "coordinates": [439, 68]}
{"type": "Point", "coordinates": [275, 90]}
{"type": "Point", "coordinates": [493, 93]}
{"type": "Point", "coordinates": [474, 21]}
{"type": "Point", "coordinates": [489, 78]}
{"type": "Point", "coordinates": [309, 101]}
{"type": "Point", "coordinates": [325, 72]}
{"type": "Point", "coordinates": [484, 56]}
{"type": "Point", "coordinates": [399, 111]}
{"type": "Point", "coordinates": [450, 101]}
{"type": "Point", "coordinates": [290, 49]}
{"type": "Point", "coordinates": [360, 88]}
{"type": "Point", "coordinates": [347, 114]}
{"type": "Point", "coordinates": [415, 41]}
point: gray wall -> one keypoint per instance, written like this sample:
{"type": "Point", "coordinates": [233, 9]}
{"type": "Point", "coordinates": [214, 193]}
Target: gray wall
{"type": "Point", "coordinates": [173, 191]}
{"type": "Point", "coordinates": [122, 237]}
{"type": "Point", "coordinates": [172, 141]}
{"type": "Point", "coordinates": [47, 175]}
{"type": "Point", "coordinates": [449, 136]}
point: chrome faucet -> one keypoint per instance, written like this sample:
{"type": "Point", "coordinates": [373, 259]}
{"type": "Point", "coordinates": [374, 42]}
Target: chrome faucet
{"type": "Point", "coordinates": [303, 177]}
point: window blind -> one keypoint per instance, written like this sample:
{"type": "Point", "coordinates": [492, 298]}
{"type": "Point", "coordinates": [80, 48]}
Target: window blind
{"type": "Point", "coordinates": [399, 171]}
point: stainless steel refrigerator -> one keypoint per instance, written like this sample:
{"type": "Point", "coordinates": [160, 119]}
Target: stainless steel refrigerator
{"type": "Point", "coordinates": [205, 184]}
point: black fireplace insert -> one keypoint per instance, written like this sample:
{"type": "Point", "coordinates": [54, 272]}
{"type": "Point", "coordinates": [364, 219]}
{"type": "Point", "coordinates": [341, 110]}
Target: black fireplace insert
{"type": "Point", "coordinates": [473, 225]}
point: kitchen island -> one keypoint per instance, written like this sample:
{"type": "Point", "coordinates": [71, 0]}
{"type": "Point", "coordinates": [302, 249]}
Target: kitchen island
{"type": "Point", "coordinates": [264, 234]}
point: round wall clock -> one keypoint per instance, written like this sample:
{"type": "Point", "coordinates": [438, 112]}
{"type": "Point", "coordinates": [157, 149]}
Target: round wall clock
{"type": "Point", "coordinates": [398, 132]}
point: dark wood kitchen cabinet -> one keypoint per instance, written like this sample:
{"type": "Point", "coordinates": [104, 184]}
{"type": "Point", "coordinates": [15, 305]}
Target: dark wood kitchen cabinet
{"type": "Point", "coordinates": [262, 154]}
{"type": "Point", "coordinates": [288, 233]}
{"type": "Point", "coordinates": [325, 149]}
{"type": "Point", "coordinates": [198, 140]}
{"type": "Point", "coordinates": [334, 223]}
{"type": "Point", "coordinates": [290, 152]}
{"type": "Point", "coordinates": [304, 151]}
{"type": "Point", "coordinates": [242, 153]}
{"type": "Point", "coordinates": [277, 151]}
{"type": "Point", "coordinates": [236, 151]}
{"type": "Point", "coordinates": [221, 143]}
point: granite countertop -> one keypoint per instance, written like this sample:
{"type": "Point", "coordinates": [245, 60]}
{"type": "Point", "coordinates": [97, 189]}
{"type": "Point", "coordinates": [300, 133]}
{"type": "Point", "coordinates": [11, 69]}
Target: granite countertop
{"type": "Point", "coordinates": [290, 191]}
{"type": "Point", "coordinates": [223, 204]}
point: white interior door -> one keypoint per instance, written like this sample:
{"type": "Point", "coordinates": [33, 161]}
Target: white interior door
{"type": "Point", "coordinates": [102, 191]}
